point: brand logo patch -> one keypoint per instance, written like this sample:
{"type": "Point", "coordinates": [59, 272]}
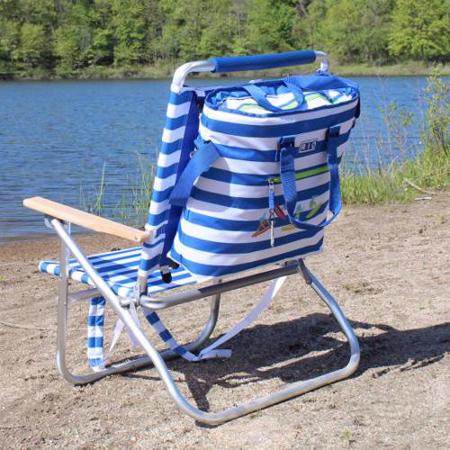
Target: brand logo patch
{"type": "Point", "coordinates": [307, 146]}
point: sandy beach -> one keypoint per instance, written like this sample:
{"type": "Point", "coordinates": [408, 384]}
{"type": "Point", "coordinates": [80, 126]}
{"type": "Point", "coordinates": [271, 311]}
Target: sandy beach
{"type": "Point", "coordinates": [389, 267]}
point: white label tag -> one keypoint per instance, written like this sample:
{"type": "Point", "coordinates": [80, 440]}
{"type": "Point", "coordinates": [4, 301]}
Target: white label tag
{"type": "Point", "coordinates": [307, 146]}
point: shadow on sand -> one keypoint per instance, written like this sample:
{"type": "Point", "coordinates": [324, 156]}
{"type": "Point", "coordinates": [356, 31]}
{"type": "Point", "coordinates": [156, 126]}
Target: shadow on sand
{"type": "Point", "coordinates": [307, 347]}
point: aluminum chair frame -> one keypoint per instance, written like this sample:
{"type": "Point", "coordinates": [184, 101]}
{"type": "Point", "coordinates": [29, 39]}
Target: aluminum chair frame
{"type": "Point", "coordinates": [157, 359]}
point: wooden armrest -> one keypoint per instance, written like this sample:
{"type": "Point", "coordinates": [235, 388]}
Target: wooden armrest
{"type": "Point", "coordinates": [84, 219]}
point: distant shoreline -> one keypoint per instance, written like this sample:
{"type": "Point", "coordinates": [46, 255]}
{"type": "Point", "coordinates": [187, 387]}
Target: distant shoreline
{"type": "Point", "coordinates": [165, 71]}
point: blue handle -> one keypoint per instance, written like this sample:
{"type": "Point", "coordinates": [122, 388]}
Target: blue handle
{"type": "Point", "coordinates": [201, 161]}
{"type": "Point", "coordinates": [287, 172]}
{"type": "Point", "coordinates": [258, 62]}
{"type": "Point", "coordinates": [260, 97]}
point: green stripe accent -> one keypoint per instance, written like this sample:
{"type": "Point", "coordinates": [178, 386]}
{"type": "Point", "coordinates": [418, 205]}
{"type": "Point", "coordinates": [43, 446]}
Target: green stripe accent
{"type": "Point", "coordinates": [305, 173]}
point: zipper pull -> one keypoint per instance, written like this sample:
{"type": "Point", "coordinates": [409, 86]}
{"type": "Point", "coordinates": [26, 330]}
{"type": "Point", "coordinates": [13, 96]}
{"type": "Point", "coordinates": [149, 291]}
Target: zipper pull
{"type": "Point", "coordinates": [272, 215]}
{"type": "Point", "coordinates": [272, 232]}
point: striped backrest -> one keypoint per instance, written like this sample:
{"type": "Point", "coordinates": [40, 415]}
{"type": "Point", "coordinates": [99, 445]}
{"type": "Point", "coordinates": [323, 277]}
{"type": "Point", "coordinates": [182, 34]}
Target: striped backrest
{"type": "Point", "coordinates": [180, 130]}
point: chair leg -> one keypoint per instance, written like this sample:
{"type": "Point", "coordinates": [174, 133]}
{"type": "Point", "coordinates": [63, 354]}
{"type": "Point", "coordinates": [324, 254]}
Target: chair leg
{"type": "Point", "coordinates": [138, 363]}
{"type": "Point", "coordinates": [214, 418]}
{"type": "Point", "coordinates": [287, 392]}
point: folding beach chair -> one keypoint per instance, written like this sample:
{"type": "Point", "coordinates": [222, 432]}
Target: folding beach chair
{"type": "Point", "coordinates": [247, 180]}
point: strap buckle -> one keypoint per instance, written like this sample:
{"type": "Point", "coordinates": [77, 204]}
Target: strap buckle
{"type": "Point", "coordinates": [285, 143]}
{"type": "Point", "coordinates": [333, 132]}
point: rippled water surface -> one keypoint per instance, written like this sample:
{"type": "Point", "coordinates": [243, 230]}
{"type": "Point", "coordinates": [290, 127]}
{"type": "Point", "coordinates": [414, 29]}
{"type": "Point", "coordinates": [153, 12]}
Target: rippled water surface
{"type": "Point", "coordinates": [56, 138]}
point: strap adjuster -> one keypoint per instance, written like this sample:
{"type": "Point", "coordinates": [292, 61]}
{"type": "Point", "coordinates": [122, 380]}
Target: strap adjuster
{"type": "Point", "coordinates": [333, 132]}
{"type": "Point", "coordinates": [285, 143]}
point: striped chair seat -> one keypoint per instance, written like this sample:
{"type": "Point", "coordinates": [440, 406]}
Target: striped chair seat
{"type": "Point", "coordinates": [119, 269]}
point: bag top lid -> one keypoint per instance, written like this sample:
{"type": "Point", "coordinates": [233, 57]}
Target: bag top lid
{"type": "Point", "coordinates": [283, 96]}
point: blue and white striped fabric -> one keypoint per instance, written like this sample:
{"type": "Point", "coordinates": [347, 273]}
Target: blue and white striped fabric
{"type": "Point", "coordinates": [178, 137]}
{"type": "Point", "coordinates": [96, 323]}
{"type": "Point", "coordinates": [225, 225]}
{"type": "Point", "coordinates": [119, 270]}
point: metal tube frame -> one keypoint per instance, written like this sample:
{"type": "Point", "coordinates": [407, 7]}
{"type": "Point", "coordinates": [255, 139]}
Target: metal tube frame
{"type": "Point", "coordinates": [134, 364]}
{"type": "Point", "coordinates": [184, 70]}
{"type": "Point", "coordinates": [158, 359]}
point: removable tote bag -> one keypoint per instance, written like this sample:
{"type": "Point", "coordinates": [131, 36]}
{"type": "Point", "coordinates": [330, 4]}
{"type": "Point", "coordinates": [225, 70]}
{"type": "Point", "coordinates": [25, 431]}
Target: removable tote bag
{"type": "Point", "coordinates": [263, 182]}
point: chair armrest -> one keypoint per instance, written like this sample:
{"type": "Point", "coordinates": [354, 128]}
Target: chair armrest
{"type": "Point", "coordinates": [85, 220]}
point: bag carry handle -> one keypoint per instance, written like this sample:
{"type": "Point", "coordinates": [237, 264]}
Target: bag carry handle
{"type": "Point", "coordinates": [260, 96]}
{"type": "Point", "coordinates": [266, 61]}
{"type": "Point", "coordinates": [201, 161]}
{"type": "Point", "coordinates": [208, 153]}
{"type": "Point", "coordinates": [287, 175]}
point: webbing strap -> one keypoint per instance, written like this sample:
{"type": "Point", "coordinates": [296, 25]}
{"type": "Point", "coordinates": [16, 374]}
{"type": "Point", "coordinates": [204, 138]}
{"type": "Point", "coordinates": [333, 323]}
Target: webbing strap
{"type": "Point", "coordinates": [96, 319]}
{"type": "Point", "coordinates": [288, 181]}
{"type": "Point", "coordinates": [200, 162]}
{"type": "Point", "coordinates": [95, 338]}
{"type": "Point", "coordinates": [118, 328]}
{"type": "Point", "coordinates": [260, 96]}
{"type": "Point", "coordinates": [95, 324]}
{"type": "Point", "coordinates": [212, 351]}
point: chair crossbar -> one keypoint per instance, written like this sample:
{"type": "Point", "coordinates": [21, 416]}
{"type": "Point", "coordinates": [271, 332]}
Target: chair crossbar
{"type": "Point", "coordinates": [218, 288]}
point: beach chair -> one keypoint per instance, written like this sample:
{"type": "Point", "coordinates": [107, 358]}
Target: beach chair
{"type": "Point", "coordinates": [186, 253]}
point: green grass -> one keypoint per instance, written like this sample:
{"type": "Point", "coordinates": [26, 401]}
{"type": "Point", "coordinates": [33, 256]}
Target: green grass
{"type": "Point", "coordinates": [165, 69]}
{"type": "Point", "coordinates": [424, 176]}
{"type": "Point", "coordinates": [428, 173]}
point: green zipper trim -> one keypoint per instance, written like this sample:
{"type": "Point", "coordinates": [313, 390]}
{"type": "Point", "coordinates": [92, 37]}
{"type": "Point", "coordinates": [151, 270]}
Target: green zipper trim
{"type": "Point", "coordinates": [304, 173]}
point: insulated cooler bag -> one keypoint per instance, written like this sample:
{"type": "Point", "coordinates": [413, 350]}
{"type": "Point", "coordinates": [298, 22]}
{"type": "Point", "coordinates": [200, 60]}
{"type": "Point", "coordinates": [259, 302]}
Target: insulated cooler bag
{"type": "Point", "coordinates": [263, 181]}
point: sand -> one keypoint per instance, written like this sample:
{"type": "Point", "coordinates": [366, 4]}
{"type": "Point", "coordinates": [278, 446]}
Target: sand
{"type": "Point", "coordinates": [389, 268]}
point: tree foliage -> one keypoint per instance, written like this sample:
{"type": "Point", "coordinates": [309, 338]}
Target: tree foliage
{"type": "Point", "coordinates": [421, 30]}
{"type": "Point", "coordinates": [67, 36]}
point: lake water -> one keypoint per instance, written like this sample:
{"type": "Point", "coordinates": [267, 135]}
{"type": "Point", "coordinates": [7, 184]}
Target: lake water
{"type": "Point", "coordinates": [56, 138]}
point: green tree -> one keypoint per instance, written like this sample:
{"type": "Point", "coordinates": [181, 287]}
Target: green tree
{"type": "Point", "coordinates": [182, 29]}
{"type": "Point", "coordinates": [73, 39]}
{"type": "Point", "coordinates": [269, 27]}
{"type": "Point", "coordinates": [9, 41]}
{"type": "Point", "coordinates": [421, 30]}
{"type": "Point", "coordinates": [102, 43]}
{"type": "Point", "coordinates": [356, 30]}
{"type": "Point", "coordinates": [218, 33]}
{"type": "Point", "coordinates": [38, 12]}
{"type": "Point", "coordinates": [130, 31]}
{"type": "Point", "coordinates": [34, 48]}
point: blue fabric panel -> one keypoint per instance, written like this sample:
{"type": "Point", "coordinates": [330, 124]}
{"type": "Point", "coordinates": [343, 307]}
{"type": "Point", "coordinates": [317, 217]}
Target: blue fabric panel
{"type": "Point", "coordinates": [243, 178]}
{"type": "Point", "coordinates": [238, 225]}
{"type": "Point", "coordinates": [165, 172]}
{"type": "Point", "coordinates": [258, 62]}
{"type": "Point", "coordinates": [244, 248]}
{"type": "Point", "coordinates": [202, 160]}
{"type": "Point", "coordinates": [94, 362]}
{"type": "Point", "coordinates": [321, 82]}
{"type": "Point", "coordinates": [152, 318]}
{"type": "Point", "coordinates": [169, 148]}
{"type": "Point", "coordinates": [207, 269]}
{"type": "Point", "coordinates": [95, 342]}
{"type": "Point", "coordinates": [160, 196]}
{"type": "Point", "coordinates": [178, 99]}
{"type": "Point", "coordinates": [288, 129]}
{"type": "Point", "coordinates": [173, 124]}
{"type": "Point", "coordinates": [165, 335]}
{"type": "Point", "coordinates": [192, 123]}
{"type": "Point", "coordinates": [253, 203]}
{"type": "Point", "coordinates": [96, 321]}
